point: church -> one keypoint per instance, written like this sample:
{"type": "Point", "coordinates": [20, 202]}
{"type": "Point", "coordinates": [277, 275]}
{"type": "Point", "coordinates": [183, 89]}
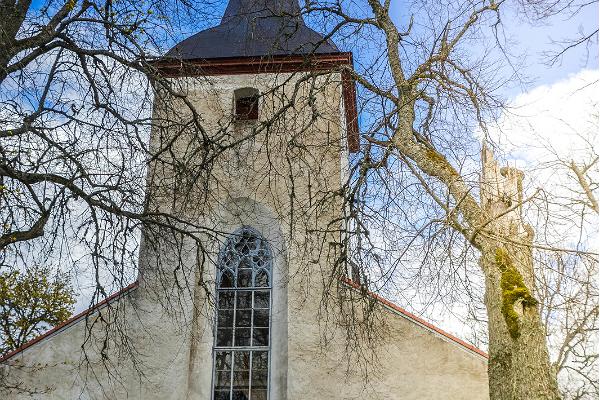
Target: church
{"type": "Point", "coordinates": [250, 307]}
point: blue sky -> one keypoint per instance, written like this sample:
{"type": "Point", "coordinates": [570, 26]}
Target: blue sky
{"type": "Point", "coordinates": [530, 40]}
{"type": "Point", "coordinates": [534, 40]}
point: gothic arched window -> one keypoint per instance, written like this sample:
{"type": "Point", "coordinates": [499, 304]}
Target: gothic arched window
{"type": "Point", "coordinates": [242, 336]}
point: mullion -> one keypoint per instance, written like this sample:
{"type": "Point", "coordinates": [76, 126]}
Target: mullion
{"type": "Point", "coordinates": [235, 300]}
{"type": "Point", "coordinates": [233, 340]}
{"type": "Point", "coordinates": [252, 320]}
{"type": "Point", "coordinates": [231, 377]}
{"type": "Point", "coordinates": [250, 374]}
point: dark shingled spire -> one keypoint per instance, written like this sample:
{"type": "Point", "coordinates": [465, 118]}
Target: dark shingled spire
{"type": "Point", "coordinates": [255, 28]}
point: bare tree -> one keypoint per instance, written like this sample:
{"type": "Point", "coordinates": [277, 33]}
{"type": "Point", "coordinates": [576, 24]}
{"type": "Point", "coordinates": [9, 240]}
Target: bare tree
{"type": "Point", "coordinates": [77, 89]}
{"type": "Point", "coordinates": [78, 80]}
{"type": "Point", "coordinates": [76, 92]}
{"type": "Point", "coordinates": [567, 286]}
{"type": "Point", "coordinates": [425, 93]}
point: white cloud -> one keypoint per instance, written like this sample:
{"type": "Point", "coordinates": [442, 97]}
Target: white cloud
{"type": "Point", "coordinates": [546, 124]}
{"type": "Point", "coordinates": [550, 116]}
{"type": "Point", "coordinates": [541, 133]}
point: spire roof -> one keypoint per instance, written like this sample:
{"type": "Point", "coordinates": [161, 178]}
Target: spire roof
{"type": "Point", "coordinates": [255, 28]}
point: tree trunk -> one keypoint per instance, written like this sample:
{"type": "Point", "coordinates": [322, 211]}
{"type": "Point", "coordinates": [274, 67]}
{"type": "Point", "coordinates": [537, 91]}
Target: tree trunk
{"type": "Point", "coordinates": [519, 366]}
{"type": "Point", "coordinates": [12, 15]}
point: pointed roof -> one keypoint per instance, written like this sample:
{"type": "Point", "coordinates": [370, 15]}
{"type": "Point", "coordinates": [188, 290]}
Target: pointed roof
{"type": "Point", "coordinates": [255, 28]}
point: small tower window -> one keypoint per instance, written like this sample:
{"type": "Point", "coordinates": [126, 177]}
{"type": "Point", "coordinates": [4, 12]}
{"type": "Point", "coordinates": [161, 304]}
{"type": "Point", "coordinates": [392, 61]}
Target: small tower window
{"type": "Point", "coordinates": [246, 104]}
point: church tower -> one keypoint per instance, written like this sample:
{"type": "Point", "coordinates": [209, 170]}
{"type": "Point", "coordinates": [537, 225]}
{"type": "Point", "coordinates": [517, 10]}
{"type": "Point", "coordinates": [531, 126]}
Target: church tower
{"type": "Point", "coordinates": [261, 134]}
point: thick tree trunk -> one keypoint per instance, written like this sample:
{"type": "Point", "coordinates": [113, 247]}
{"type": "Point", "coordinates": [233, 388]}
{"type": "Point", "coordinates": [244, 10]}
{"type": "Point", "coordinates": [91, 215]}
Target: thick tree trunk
{"type": "Point", "coordinates": [519, 367]}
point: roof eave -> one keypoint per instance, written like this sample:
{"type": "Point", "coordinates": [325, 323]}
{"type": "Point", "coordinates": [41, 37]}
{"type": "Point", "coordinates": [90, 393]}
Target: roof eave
{"type": "Point", "coordinates": [417, 320]}
{"type": "Point", "coordinates": [71, 321]}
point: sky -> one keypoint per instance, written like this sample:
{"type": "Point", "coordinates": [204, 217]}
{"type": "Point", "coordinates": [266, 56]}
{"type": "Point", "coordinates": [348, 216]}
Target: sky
{"type": "Point", "coordinates": [539, 38]}
{"type": "Point", "coordinates": [534, 40]}
{"type": "Point", "coordinates": [548, 115]}
{"type": "Point", "coordinates": [530, 40]}
{"type": "Point", "coordinates": [552, 121]}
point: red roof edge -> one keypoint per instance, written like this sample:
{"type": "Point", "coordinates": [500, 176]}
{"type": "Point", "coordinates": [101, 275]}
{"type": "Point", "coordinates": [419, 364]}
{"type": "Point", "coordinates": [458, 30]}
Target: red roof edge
{"type": "Point", "coordinates": [174, 68]}
{"type": "Point", "coordinates": [345, 280]}
{"type": "Point", "coordinates": [415, 319]}
{"type": "Point", "coordinates": [71, 320]}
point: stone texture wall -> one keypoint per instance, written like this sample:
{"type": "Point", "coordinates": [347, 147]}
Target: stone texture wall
{"type": "Point", "coordinates": [281, 181]}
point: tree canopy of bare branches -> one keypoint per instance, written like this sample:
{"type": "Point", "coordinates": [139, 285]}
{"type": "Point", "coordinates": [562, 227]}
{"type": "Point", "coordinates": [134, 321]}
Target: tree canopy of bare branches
{"type": "Point", "coordinates": [77, 85]}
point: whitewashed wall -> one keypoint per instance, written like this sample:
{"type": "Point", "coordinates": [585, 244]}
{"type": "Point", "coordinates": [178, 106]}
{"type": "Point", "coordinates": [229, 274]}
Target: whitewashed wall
{"type": "Point", "coordinates": [171, 333]}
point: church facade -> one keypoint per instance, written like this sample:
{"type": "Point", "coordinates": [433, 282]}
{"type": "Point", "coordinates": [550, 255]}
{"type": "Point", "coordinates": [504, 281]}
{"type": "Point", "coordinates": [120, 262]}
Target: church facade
{"type": "Point", "coordinates": [243, 317]}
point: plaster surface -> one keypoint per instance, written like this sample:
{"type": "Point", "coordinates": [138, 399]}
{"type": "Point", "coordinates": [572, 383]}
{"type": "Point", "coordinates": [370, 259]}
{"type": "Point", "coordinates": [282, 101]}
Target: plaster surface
{"type": "Point", "coordinates": [156, 342]}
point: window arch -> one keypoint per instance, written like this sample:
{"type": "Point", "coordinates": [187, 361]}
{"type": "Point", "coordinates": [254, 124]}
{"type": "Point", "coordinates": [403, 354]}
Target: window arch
{"type": "Point", "coordinates": [242, 333]}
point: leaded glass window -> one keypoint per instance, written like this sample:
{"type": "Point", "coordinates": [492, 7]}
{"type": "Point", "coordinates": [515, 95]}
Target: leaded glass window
{"type": "Point", "coordinates": [242, 338]}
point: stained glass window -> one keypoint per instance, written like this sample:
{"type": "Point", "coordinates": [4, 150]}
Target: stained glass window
{"type": "Point", "coordinates": [242, 339]}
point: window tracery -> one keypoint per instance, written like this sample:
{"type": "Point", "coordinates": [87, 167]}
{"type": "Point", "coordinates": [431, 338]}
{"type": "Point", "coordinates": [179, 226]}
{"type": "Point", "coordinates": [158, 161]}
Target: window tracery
{"type": "Point", "coordinates": [243, 321]}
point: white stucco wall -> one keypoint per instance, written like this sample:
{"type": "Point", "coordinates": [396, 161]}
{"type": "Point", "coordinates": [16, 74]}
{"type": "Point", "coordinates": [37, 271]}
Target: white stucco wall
{"type": "Point", "coordinates": [168, 320]}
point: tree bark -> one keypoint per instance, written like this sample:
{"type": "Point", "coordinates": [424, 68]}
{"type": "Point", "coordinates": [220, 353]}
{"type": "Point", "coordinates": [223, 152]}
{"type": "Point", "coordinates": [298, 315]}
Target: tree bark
{"type": "Point", "coordinates": [12, 15]}
{"type": "Point", "coordinates": [519, 366]}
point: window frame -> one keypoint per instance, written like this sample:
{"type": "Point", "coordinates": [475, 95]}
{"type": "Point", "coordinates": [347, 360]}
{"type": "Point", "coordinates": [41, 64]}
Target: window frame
{"type": "Point", "coordinates": [232, 348]}
{"type": "Point", "coordinates": [250, 95]}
